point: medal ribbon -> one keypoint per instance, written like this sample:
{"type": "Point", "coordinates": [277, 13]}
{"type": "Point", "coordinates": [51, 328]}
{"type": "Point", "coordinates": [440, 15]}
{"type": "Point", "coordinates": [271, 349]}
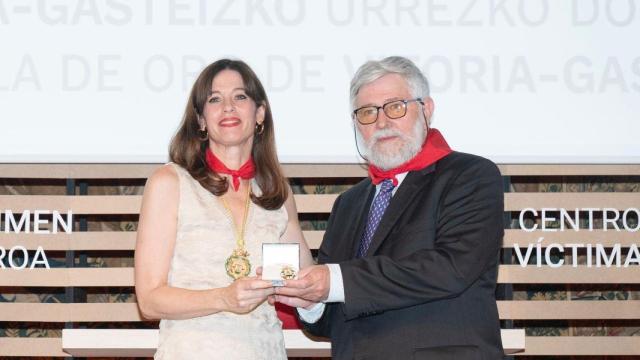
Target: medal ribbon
{"type": "Point", "coordinates": [239, 231]}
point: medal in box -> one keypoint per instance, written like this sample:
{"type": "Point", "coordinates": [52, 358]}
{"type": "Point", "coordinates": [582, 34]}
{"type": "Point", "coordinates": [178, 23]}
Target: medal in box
{"type": "Point", "coordinates": [280, 262]}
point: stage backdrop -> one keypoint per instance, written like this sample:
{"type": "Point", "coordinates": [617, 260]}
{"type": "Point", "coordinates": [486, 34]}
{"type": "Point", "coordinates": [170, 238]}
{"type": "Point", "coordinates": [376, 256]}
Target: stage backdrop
{"type": "Point", "coordinates": [107, 81]}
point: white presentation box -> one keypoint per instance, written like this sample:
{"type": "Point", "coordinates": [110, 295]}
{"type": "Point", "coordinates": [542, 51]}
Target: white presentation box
{"type": "Point", "coordinates": [280, 262]}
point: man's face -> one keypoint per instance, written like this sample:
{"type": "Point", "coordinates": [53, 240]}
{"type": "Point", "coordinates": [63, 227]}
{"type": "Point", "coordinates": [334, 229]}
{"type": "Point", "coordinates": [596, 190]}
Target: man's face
{"type": "Point", "coordinates": [389, 143]}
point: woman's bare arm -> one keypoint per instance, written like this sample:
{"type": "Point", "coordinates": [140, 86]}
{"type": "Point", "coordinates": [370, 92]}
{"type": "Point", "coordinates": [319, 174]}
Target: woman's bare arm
{"type": "Point", "coordinates": [154, 249]}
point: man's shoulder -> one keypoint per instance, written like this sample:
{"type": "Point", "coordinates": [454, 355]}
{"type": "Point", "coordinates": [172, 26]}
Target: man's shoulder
{"type": "Point", "coordinates": [457, 162]}
{"type": "Point", "coordinates": [461, 159]}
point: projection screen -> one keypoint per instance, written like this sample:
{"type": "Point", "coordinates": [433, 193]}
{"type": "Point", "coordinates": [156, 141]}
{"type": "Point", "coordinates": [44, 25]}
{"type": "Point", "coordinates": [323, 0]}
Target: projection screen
{"type": "Point", "coordinates": [516, 81]}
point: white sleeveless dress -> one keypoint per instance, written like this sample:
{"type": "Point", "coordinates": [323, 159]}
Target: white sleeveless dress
{"type": "Point", "coordinates": [204, 240]}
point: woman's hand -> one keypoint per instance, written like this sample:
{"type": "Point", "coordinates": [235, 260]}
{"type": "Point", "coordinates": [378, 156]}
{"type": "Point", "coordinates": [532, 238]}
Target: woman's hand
{"type": "Point", "coordinates": [245, 294]}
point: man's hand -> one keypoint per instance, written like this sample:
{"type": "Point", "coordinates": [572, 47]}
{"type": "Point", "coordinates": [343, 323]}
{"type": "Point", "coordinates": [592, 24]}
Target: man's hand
{"type": "Point", "coordinates": [312, 286]}
{"type": "Point", "coordinates": [291, 301]}
{"type": "Point", "coordinates": [287, 300]}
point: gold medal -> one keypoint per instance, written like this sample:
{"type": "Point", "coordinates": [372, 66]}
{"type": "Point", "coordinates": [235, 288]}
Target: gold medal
{"type": "Point", "coordinates": [287, 272]}
{"type": "Point", "coordinates": [238, 264]}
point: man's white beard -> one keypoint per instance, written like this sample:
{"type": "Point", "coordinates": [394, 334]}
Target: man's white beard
{"type": "Point", "coordinates": [410, 147]}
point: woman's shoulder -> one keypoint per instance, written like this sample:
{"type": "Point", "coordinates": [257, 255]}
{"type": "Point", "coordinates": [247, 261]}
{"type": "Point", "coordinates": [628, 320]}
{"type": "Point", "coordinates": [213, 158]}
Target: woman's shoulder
{"type": "Point", "coordinates": [162, 189]}
{"type": "Point", "coordinates": [164, 177]}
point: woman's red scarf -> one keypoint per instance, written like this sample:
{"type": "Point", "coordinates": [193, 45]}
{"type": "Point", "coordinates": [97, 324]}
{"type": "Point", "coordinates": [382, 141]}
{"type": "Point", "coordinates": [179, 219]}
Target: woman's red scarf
{"type": "Point", "coordinates": [434, 148]}
{"type": "Point", "coordinates": [246, 171]}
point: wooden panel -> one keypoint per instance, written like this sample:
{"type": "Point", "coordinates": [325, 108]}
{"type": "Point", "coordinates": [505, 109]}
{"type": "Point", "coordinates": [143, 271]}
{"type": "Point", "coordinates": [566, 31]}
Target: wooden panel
{"type": "Point", "coordinates": [92, 342]}
{"type": "Point", "coordinates": [98, 240]}
{"type": "Point", "coordinates": [143, 343]}
{"type": "Point", "coordinates": [141, 171]}
{"type": "Point", "coordinates": [123, 277]}
{"type": "Point", "coordinates": [523, 239]}
{"type": "Point", "coordinates": [569, 169]}
{"type": "Point", "coordinates": [93, 204]}
{"type": "Point", "coordinates": [515, 310]}
{"type": "Point", "coordinates": [514, 274]}
{"type": "Point", "coordinates": [48, 347]}
{"type": "Point", "coordinates": [325, 170]}
{"type": "Point", "coordinates": [126, 240]}
{"type": "Point", "coordinates": [62, 277]}
{"type": "Point", "coordinates": [582, 345]}
{"type": "Point", "coordinates": [606, 238]}
{"type": "Point", "coordinates": [80, 240]}
{"type": "Point", "coordinates": [569, 310]}
{"type": "Point", "coordinates": [616, 200]}
{"type": "Point", "coordinates": [318, 203]}
{"type": "Point", "coordinates": [77, 171]}
{"type": "Point", "coordinates": [126, 204]}
{"type": "Point", "coordinates": [75, 312]}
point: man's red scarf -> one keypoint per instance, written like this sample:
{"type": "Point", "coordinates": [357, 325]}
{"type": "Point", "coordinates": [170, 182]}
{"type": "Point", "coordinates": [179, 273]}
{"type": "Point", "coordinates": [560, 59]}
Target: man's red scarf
{"type": "Point", "coordinates": [246, 171]}
{"type": "Point", "coordinates": [434, 148]}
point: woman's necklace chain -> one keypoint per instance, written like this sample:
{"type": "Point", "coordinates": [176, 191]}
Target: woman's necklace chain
{"type": "Point", "coordinates": [238, 264]}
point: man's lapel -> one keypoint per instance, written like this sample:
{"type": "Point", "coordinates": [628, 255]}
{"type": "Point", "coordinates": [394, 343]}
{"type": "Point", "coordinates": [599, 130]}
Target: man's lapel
{"type": "Point", "coordinates": [362, 208]}
{"type": "Point", "coordinates": [399, 203]}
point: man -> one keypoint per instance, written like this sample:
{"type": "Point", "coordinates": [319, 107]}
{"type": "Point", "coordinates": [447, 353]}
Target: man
{"type": "Point", "coordinates": [411, 253]}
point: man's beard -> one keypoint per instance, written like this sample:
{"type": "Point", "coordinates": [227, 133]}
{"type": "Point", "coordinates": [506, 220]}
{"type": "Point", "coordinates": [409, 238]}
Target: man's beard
{"type": "Point", "coordinates": [410, 146]}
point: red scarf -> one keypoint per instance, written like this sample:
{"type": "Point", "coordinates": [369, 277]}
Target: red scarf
{"type": "Point", "coordinates": [246, 171]}
{"type": "Point", "coordinates": [434, 148]}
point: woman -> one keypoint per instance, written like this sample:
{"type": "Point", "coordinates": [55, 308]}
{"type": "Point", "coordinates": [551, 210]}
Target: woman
{"type": "Point", "coordinates": [203, 219]}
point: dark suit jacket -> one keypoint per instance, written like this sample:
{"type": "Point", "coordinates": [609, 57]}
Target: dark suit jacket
{"type": "Point", "coordinates": [426, 288]}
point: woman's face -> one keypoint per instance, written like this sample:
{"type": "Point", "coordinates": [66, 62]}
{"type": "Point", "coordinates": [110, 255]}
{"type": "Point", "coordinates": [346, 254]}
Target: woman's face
{"type": "Point", "coordinates": [229, 113]}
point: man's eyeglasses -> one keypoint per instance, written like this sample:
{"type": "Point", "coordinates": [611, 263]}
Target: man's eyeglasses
{"type": "Point", "coordinates": [394, 109]}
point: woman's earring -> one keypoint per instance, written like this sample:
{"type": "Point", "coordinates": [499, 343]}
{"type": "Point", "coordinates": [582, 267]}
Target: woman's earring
{"type": "Point", "coordinates": [259, 128]}
{"type": "Point", "coordinates": [203, 134]}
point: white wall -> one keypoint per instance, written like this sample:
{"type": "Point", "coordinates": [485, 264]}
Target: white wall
{"type": "Point", "coordinates": [517, 81]}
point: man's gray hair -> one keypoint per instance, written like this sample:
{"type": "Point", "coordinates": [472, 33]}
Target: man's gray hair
{"type": "Point", "coordinates": [373, 70]}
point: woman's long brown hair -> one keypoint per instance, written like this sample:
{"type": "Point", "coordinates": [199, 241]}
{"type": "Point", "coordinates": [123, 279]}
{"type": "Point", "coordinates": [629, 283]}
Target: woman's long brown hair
{"type": "Point", "coordinates": [188, 151]}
